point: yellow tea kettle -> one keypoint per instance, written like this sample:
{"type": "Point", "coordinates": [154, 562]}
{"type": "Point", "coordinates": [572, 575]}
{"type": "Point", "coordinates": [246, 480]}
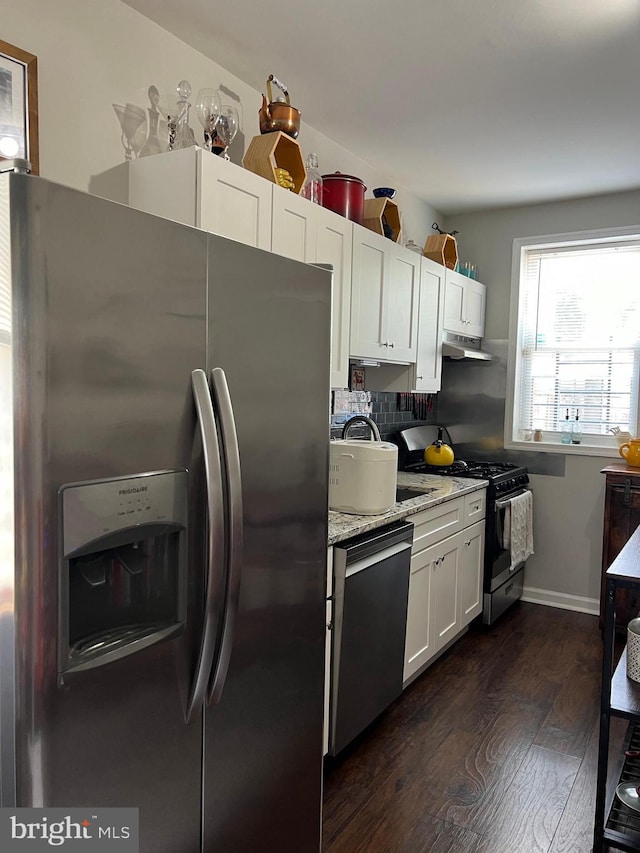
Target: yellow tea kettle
{"type": "Point", "coordinates": [630, 451]}
{"type": "Point", "coordinates": [439, 453]}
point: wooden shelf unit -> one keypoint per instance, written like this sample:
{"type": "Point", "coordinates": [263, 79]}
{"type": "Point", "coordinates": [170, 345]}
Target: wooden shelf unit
{"type": "Point", "coordinates": [621, 518]}
{"type": "Point", "coordinates": [616, 824]}
{"type": "Point", "coordinates": [381, 211]}
{"type": "Point", "coordinates": [272, 151]}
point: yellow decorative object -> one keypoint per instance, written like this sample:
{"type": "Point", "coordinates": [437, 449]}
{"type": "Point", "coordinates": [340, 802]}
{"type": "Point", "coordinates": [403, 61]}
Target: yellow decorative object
{"type": "Point", "coordinates": [630, 451]}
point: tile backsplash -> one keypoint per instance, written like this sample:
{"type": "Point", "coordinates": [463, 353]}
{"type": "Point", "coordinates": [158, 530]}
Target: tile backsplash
{"type": "Point", "coordinates": [391, 412]}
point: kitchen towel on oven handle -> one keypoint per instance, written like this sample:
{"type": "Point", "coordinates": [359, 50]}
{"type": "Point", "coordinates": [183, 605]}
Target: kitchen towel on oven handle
{"type": "Point", "coordinates": [517, 531]}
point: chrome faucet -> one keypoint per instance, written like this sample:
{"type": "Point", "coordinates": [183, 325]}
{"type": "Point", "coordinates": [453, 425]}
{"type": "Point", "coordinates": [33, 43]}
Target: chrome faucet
{"type": "Point", "coordinates": [375, 432]}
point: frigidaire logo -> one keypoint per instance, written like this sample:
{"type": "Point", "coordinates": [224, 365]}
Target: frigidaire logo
{"type": "Point", "coordinates": [73, 829]}
{"type": "Point", "coordinates": [133, 490]}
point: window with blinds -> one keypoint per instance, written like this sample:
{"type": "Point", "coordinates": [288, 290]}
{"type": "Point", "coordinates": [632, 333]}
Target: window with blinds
{"type": "Point", "coordinates": [578, 344]}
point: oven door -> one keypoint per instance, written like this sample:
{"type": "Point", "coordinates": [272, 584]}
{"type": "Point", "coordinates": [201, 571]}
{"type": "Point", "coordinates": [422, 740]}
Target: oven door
{"type": "Point", "coordinates": [499, 568]}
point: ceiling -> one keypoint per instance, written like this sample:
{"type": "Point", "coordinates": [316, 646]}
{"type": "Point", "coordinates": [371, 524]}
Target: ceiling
{"type": "Point", "coordinates": [470, 105]}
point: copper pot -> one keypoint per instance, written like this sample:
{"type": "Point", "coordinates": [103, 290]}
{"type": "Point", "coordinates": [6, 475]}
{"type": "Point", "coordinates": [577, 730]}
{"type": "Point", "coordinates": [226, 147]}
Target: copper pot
{"type": "Point", "coordinates": [278, 115]}
{"type": "Point", "coordinates": [344, 194]}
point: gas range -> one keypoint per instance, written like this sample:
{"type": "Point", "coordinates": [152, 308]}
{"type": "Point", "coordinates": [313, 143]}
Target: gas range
{"type": "Point", "coordinates": [503, 477]}
{"type": "Point", "coordinates": [503, 580]}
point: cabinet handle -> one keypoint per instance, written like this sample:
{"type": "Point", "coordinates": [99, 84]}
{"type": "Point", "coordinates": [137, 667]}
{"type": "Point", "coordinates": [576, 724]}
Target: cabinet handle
{"type": "Point", "coordinates": [385, 344]}
{"type": "Point", "coordinates": [418, 377]}
{"type": "Point", "coordinates": [468, 543]}
{"type": "Point", "coordinates": [392, 345]}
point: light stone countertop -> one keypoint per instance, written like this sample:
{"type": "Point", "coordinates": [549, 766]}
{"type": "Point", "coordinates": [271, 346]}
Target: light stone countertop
{"type": "Point", "coordinates": [430, 489]}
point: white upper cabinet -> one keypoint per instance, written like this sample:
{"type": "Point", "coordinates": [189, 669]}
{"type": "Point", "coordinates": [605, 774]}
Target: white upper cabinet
{"type": "Point", "coordinates": [294, 226]}
{"type": "Point", "coordinates": [464, 307]}
{"type": "Point", "coordinates": [384, 298]}
{"type": "Point", "coordinates": [427, 373]}
{"type": "Point", "coordinates": [334, 246]}
{"type": "Point", "coordinates": [233, 202]}
{"type": "Point", "coordinates": [197, 188]}
{"type": "Point", "coordinates": [310, 233]}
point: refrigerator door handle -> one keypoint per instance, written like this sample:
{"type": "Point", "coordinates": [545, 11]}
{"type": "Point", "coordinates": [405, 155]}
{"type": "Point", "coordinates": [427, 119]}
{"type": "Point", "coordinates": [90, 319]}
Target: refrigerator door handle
{"type": "Point", "coordinates": [215, 545]}
{"type": "Point", "coordinates": [231, 452]}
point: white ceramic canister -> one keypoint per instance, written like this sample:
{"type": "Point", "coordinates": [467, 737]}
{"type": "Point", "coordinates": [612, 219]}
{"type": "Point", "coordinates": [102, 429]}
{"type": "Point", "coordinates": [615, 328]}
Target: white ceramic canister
{"type": "Point", "coordinates": [633, 650]}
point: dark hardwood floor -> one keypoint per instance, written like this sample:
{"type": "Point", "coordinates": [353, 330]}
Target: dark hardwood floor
{"type": "Point", "coordinates": [492, 750]}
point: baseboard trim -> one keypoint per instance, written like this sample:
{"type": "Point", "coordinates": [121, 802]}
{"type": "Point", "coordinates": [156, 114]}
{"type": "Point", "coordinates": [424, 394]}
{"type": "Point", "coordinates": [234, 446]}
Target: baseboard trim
{"type": "Point", "coordinates": [561, 600]}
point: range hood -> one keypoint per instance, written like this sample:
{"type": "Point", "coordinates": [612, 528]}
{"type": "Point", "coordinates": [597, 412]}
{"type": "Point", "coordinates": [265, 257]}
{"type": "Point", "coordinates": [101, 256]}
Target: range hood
{"type": "Point", "coordinates": [460, 347]}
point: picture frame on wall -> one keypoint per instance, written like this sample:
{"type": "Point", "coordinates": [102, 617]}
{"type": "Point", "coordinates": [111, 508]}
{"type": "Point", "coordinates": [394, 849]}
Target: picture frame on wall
{"type": "Point", "coordinates": [19, 105]}
{"type": "Point", "coordinates": [357, 378]}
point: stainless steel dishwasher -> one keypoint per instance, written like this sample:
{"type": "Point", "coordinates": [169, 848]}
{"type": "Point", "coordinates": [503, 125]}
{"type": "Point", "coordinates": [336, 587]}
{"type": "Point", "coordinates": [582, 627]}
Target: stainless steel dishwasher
{"type": "Point", "coordinates": [370, 590]}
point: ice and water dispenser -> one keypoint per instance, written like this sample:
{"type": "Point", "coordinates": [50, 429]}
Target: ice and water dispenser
{"type": "Point", "coordinates": [123, 571]}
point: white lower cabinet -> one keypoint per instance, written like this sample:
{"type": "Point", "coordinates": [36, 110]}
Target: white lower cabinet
{"type": "Point", "coordinates": [445, 585]}
{"type": "Point", "coordinates": [470, 572]}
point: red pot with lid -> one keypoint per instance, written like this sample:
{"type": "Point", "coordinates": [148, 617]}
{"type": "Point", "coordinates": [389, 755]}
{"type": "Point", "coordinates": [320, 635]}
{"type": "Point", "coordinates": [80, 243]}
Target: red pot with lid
{"type": "Point", "coordinates": [344, 194]}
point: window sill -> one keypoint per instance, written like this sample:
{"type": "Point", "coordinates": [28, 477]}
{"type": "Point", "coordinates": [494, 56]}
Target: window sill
{"type": "Point", "coordinates": [567, 449]}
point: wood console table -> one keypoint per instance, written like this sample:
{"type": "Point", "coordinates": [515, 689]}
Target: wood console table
{"type": "Point", "coordinates": [621, 518]}
{"type": "Point", "coordinates": [616, 824]}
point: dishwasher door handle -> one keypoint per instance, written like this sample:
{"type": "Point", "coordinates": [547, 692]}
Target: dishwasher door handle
{"type": "Point", "coordinates": [374, 559]}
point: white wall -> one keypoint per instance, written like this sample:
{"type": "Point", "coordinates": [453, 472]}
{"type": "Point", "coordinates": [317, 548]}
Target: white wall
{"type": "Point", "coordinates": [568, 512]}
{"type": "Point", "coordinates": [93, 54]}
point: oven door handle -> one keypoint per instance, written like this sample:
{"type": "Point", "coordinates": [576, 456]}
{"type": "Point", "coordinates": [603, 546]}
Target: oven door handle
{"type": "Point", "coordinates": [507, 501]}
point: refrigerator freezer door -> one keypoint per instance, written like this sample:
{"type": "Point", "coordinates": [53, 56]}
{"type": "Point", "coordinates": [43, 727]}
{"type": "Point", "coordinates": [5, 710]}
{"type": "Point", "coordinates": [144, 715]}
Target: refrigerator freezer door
{"type": "Point", "coordinates": [109, 321]}
{"type": "Point", "coordinates": [269, 329]}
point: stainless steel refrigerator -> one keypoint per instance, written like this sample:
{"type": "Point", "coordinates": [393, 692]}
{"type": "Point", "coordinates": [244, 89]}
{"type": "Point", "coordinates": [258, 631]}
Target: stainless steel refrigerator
{"type": "Point", "coordinates": [163, 523]}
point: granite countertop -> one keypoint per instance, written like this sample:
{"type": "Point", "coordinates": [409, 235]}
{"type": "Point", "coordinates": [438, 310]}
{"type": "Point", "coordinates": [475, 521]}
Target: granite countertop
{"type": "Point", "coordinates": [430, 489]}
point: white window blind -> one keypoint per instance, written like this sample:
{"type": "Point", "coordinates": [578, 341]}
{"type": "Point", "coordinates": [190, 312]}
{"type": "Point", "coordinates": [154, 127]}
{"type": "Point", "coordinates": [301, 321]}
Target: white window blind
{"type": "Point", "coordinates": [579, 337]}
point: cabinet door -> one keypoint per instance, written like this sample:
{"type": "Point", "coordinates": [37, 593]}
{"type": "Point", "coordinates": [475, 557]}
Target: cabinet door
{"type": "Point", "coordinates": [333, 246]}
{"type": "Point", "coordinates": [444, 610]}
{"type": "Point", "coordinates": [454, 318]}
{"type": "Point", "coordinates": [367, 291]}
{"type": "Point", "coordinates": [233, 202]}
{"type": "Point", "coordinates": [474, 310]}
{"type": "Point", "coordinates": [471, 564]}
{"type": "Point", "coordinates": [293, 226]}
{"type": "Point", "coordinates": [428, 369]}
{"type": "Point", "coordinates": [400, 303]}
{"type": "Point", "coordinates": [165, 185]}
{"type": "Point", "coordinates": [419, 642]}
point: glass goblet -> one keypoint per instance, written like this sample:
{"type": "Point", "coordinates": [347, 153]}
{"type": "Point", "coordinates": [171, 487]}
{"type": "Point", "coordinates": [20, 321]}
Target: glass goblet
{"type": "Point", "coordinates": [133, 126]}
{"type": "Point", "coordinates": [227, 127]}
{"type": "Point", "coordinates": [208, 112]}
